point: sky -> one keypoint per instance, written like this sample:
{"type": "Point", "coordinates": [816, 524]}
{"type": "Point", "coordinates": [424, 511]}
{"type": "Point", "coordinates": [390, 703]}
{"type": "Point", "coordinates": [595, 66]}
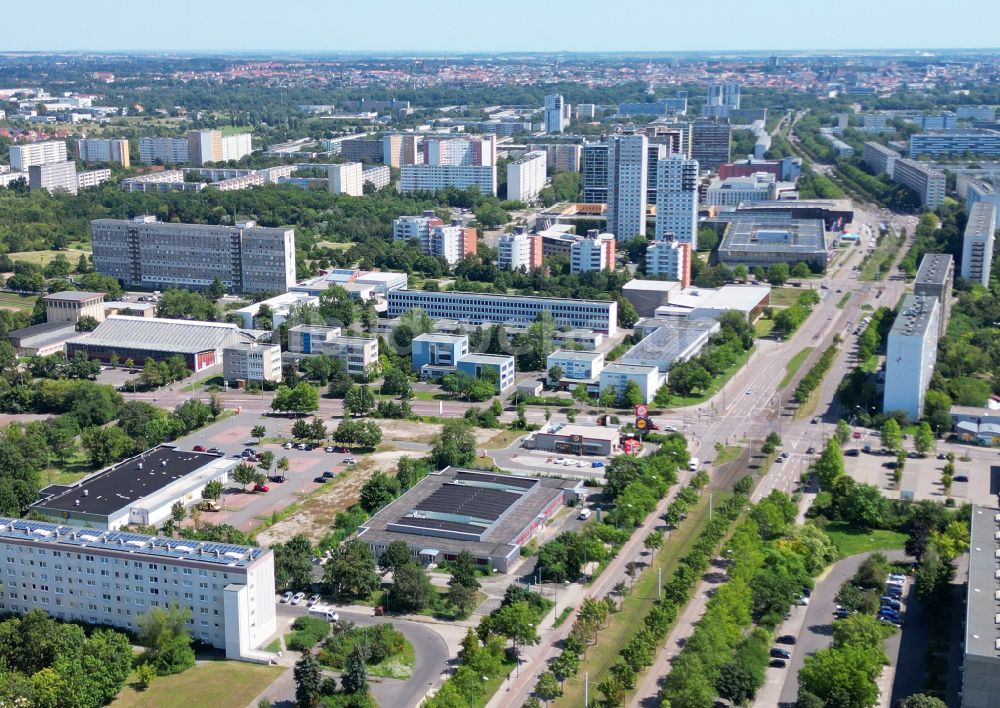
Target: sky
{"type": "Point", "coordinates": [206, 26]}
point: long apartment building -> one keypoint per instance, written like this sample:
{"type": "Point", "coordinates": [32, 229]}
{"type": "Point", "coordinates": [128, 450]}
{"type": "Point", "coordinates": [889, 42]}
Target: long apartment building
{"type": "Point", "coordinates": [928, 183]}
{"type": "Point", "coordinates": [960, 141]}
{"type": "Point", "coordinates": [54, 177]}
{"type": "Point", "coordinates": [430, 178]}
{"type": "Point", "coordinates": [479, 308]}
{"type": "Point", "coordinates": [526, 176]}
{"type": "Point", "coordinates": [103, 150]}
{"type": "Point", "coordinates": [144, 252]}
{"type": "Point", "coordinates": [879, 158]}
{"type": "Point", "coordinates": [112, 578]}
{"type": "Point", "coordinates": [24, 156]}
{"type": "Point", "coordinates": [169, 151]}
{"type": "Point", "coordinates": [212, 146]}
{"type": "Point", "coordinates": [911, 350]}
{"type": "Point", "coordinates": [977, 243]}
{"type": "Point", "coordinates": [519, 251]}
{"type": "Point", "coordinates": [677, 200]}
{"type": "Point", "coordinates": [593, 253]}
{"type": "Point", "coordinates": [346, 178]}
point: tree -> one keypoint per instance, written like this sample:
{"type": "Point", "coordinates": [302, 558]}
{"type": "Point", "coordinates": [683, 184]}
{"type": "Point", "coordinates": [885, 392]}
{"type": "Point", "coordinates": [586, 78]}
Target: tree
{"type": "Point", "coordinates": [463, 571]}
{"type": "Point", "coordinates": [627, 315]}
{"type": "Point", "coordinates": [301, 429]}
{"type": "Point", "coordinates": [580, 393]}
{"type": "Point", "coordinates": [922, 700]}
{"type": "Point", "coordinates": [461, 598]}
{"type": "Point", "coordinates": [106, 444]}
{"type": "Point", "coordinates": [411, 589]}
{"type": "Point", "coordinates": [737, 682]}
{"type": "Point", "coordinates": [653, 540]}
{"type": "Point", "coordinates": [293, 563]}
{"type": "Point", "coordinates": [307, 680]}
{"type": "Point", "coordinates": [282, 464]}
{"type": "Point", "coordinates": [258, 432]}
{"type": "Point", "coordinates": [633, 394]}
{"type": "Point", "coordinates": [547, 688]}
{"type": "Point", "coordinates": [244, 474]}
{"type": "Point", "coordinates": [608, 397]}
{"type": "Point", "coordinates": [892, 435]}
{"type": "Point", "coordinates": [378, 491]}
{"type": "Point", "coordinates": [163, 633]}
{"type": "Point", "coordinates": [516, 622]}
{"type": "Point", "coordinates": [923, 439]}
{"type": "Point", "coordinates": [777, 274]}
{"type": "Point", "coordinates": [800, 270]}
{"type": "Point", "coordinates": [395, 556]}
{"type": "Point", "coordinates": [266, 461]}
{"type": "Point", "coordinates": [86, 323]}
{"type": "Point", "coordinates": [555, 373]}
{"type": "Point", "coordinates": [396, 382]}
{"type": "Point", "coordinates": [359, 401]}
{"type": "Point", "coordinates": [177, 512]}
{"type": "Point", "coordinates": [144, 674]}
{"type": "Point", "coordinates": [355, 679]}
{"type": "Point", "coordinates": [843, 432]}
{"type": "Point", "coordinates": [937, 411]}
{"type": "Point", "coordinates": [455, 446]}
{"type": "Point", "coordinates": [830, 464]}
{"type": "Point", "coordinates": [843, 677]}
{"type": "Point", "coordinates": [350, 573]}
{"type": "Point", "coordinates": [212, 490]}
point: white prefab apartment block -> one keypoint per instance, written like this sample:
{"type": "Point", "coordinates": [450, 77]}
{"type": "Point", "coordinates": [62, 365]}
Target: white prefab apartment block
{"type": "Point", "coordinates": [92, 178]}
{"type": "Point", "coordinates": [479, 308]}
{"type": "Point", "coordinates": [24, 156]}
{"type": "Point", "coordinates": [928, 183]}
{"type": "Point", "coordinates": [206, 146]}
{"type": "Point", "coordinates": [103, 150]}
{"type": "Point", "coordinates": [910, 353]}
{"type": "Point", "coordinates": [346, 178]}
{"type": "Point", "coordinates": [54, 177]}
{"type": "Point", "coordinates": [526, 176]}
{"type": "Point", "coordinates": [144, 252]}
{"type": "Point", "coordinates": [112, 578]}
{"type": "Point", "coordinates": [670, 260]}
{"type": "Point", "coordinates": [416, 228]}
{"type": "Point", "coordinates": [594, 253]}
{"type": "Point", "coordinates": [879, 158]}
{"type": "Point", "coordinates": [169, 151]}
{"type": "Point", "coordinates": [576, 365]}
{"type": "Point", "coordinates": [977, 244]}
{"type": "Point", "coordinates": [430, 178]}
{"type": "Point", "coordinates": [617, 376]}
{"type": "Point", "coordinates": [519, 251]}
{"type": "Point", "coordinates": [627, 177]}
{"type": "Point", "coordinates": [556, 113]}
{"type": "Point", "coordinates": [677, 200]}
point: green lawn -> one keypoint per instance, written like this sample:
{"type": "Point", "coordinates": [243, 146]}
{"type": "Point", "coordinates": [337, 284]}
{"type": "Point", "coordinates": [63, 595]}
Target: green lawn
{"type": "Point", "coordinates": [493, 685]}
{"type": "Point", "coordinates": [636, 605]}
{"type": "Point", "coordinates": [793, 365]}
{"type": "Point", "coordinates": [216, 683]}
{"type": "Point", "coordinates": [42, 258]}
{"type": "Point", "coordinates": [235, 129]}
{"type": "Point", "coordinates": [884, 253]}
{"type": "Point", "coordinates": [13, 301]}
{"type": "Point", "coordinates": [784, 297]}
{"type": "Point", "coordinates": [851, 540]}
{"type": "Point", "coordinates": [763, 327]}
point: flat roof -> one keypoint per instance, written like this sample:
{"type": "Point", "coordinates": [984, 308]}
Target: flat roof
{"type": "Point", "coordinates": [156, 333]}
{"type": "Point", "coordinates": [934, 269]}
{"type": "Point", "coordinates": [73, 295]}
{"type": "Point", "coordinates": [794, 236]}
{"type": "Point", "coordinates": [575, 354]}
{"type": "Point", "coordinates": [449, 338]}
{"type": "Point", "coordinates": [982, 217]}
{"type": "Point", "coordinates": [617, 368]}
{"type": "Point", "coordinates": [498, 359]}
{"type": "Point", "coordinates": [592, 432]}
{"type": "Point", "coordinates": [982, 631]}
{"type": "Point", "coordinates": [453, 294]}
{"type": "Point", "coordinates": [138, 544]}
{"type": "Point", "coordinates": [914, 316]}
{"type": "Point", "coordinates": [121, 485]}
{"type": "Point", "coordinates": [653, 285]}
{"type": "Point", "coordinates": [677, 340]}
{"type": "Point", "coordinates": [43, 328]}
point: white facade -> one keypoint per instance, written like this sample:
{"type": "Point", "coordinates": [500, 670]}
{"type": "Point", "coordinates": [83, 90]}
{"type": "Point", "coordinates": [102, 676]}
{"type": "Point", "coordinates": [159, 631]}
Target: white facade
{"type": "Point", "coordinates": [928, 183]}
{"type": "Point", "coordinates": [54, 177]}
{"type": "Point", "coordinates": [595, 253]}
{"type": "Point", "coordinates": [647, 378]}
{"type": "Point", "coordinates": [879, 157]}
{"type": "Point", "coordinates": [526, 176]}
{"type": "Point", "coordinates": [677, 200]}
{"type": "Point", "coordinates": [430, 178]}
{"type": "Point", "coordinates": [670, 260]}
{"type": "Point", "coordinates": [379, 175]}
{"type": "Point", "coordinates": [101, 150]}
{"type": "Point", "coordinates": [249, 361]}
{"type": "Point", "coordinates": [24, 156]}
{"type": "Point", "coordinates": [236, 146]}
{"type": "Point", "coordinates": [556, 114]}
{"type": "Point", "coordinates": [977, 244]}
{"type": "Point", "coordinates": [418, 228]}
{"type": "Point", "coordinates": [736, 190]}
{"type": "Point", "coordinates": [911, 350]}
{"type": "Point", "coordinates": [449, 243]}
{"type": "Point", "coordinates": [346, 178]}
{"type": "Point", "coordinates": [99, 577]}
{"type": "Point", "coordinates": [518, 252]}
{"type": "Point", "coordinates": [627, 177]}
{"type": "Point", "coordinates": [577, 365]}
{"type": "Point", "coordinates": [280, 306]}
{"type": "Point", "coordinates": [462, 151]}
{"type": "Point", "coordinates": [92, 178]}
{"type": "Point", "coordinates": [170, 151]}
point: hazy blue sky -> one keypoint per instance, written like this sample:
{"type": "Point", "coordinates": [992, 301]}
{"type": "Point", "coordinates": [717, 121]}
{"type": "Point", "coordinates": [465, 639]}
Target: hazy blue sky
{"type": "Point", "coordinates": [513, 25]}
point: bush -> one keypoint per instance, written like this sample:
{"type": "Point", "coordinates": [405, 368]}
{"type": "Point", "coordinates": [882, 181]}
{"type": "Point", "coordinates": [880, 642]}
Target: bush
{"type": "Point", "coordinates": [309, 631]}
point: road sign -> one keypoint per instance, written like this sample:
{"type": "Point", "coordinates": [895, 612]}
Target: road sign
{"type": "Point", "coordinates": [641, 423]}
{"type": "Point", "coordinates": [641, 410]}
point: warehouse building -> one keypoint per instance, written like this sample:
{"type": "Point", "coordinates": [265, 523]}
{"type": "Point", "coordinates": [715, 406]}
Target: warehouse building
{"type": "Point", "coordinates": [489, 515]}
{"type": "Point", "coordinates": [232, 607]}
{"type": "Point", "coordinates": [142, 338]}
{"type": "Point", "coordinates": [42, 339]}
{"type": "Point", "coordinates": [140, 490]}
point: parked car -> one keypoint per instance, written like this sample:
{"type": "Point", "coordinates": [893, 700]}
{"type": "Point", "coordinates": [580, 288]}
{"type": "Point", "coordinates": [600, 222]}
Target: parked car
{"type": "Point", "coordinates": [261, 488]}
{"type": "Point", "coordinates": [297, 598]}
{"type": "Point", "coordinates": [960, 478]}
{"type": "Point", "coordinates": [310, 447]}
{"type": "Point", "coordinates": [286, 597]}
{"type": "Point", "coordinates": [597, 463]}
{"type": "Point", "coordinates": [313, 599]}
{"type": "Point", "coordinates": [853, 452]}
{"type": "Point", "coordinates": [786, 639]}
{"type": "Point", "coordinates": [887, 620]}
{"type": "Point", "coordinates": [891, 603]}
{"type": "Point", "coordinates": [329, 448]}
{"type": "Point", "coordinates": [584, 514]}
{"type": "Point", "coordinates": [815, 420]}
{"type": "Point", "coordinates": [276, 478]}
{"type": "Point", "coordinates": [811, 451]}
{"type": "Point", "coordinates": [350, 461]}
{"type": "Point", "coordinates": [328, 475]}
{"type": "Point", "coordinates": [215, 451]}
{"type": "Point", "coordinates": [248, 452]}
{"type": "Point", "coordinates": [779, 653]}
{"type": "Point", "coordinates": [841, 613]}
{"type": "Point", "coordinates": [777, 663]}
{"type": "Point", "coordinates": [288, 445]}
{"type": "Point", "coordinates": [670, 428]}
{"type": "Point", "coordinates": [341, 448]}
{"type": "Point", "coordinates": [300, 446]}
{"type": "Point", "coordinates": [199, 448]}
{"type": "Point", "coordinates": [559, 461]}
{"type": "Point", "coordinates": [320, 480]}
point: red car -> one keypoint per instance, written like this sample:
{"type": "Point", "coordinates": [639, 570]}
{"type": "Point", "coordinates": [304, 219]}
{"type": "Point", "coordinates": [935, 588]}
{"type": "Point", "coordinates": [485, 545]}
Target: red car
{"type": "Point", "coordinates": [199, 448]}
{"type": "Point", "coordinates": [261, 488]}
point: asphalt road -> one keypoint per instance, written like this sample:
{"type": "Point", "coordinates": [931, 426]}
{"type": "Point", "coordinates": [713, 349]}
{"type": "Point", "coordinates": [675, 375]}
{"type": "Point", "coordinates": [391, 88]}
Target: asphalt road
{"type": "Point", "coordinates": [430, 651]}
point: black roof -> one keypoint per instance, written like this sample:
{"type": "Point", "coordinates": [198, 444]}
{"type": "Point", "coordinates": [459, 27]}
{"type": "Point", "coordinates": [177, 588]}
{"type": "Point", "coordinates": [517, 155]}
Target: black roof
{"type": "Point", "coordinates": [477, 502]}
{"type": "Point", "coordinates": [117, 487]}
{"type": "Point", "coordinates": [43, 328]}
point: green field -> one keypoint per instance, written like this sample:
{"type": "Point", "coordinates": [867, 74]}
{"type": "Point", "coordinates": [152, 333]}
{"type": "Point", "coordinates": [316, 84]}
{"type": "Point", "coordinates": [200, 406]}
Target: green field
{"type": "Point", "coordinates": [13, 301]}
{"type": "Point", "coordinates": [850, 540]}
{"type": "Point", "coordinates": [215, 683]}
{"type": "Point", "coordinates": [793, 365]}
{"type": "Point", "coordinates": [784, 297]}
{"type": "Point", "coordinates": [42, 258]}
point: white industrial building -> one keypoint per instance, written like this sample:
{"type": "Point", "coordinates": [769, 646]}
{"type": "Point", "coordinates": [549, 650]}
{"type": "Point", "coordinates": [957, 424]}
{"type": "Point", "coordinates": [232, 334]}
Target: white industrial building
{"type": "Point", "coordinates": [112, 578]}
{"type": "Point", "coordinates": [526, 176]}
{"type": "Point", "coordinates": [911, 350]}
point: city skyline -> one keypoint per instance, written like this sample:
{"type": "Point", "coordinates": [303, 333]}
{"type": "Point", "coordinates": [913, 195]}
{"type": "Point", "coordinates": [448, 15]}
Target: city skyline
{"type": "Point", "coordinates": [418, 29]}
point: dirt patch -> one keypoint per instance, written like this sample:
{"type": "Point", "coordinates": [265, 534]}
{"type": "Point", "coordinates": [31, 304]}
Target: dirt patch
{"type": "Point", "coordinates": [315, 516]}
{"type": "Point", "coordinates": [408, 430]}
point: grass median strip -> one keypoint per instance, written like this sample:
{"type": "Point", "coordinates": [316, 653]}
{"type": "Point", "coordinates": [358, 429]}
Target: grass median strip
{"type": "Point", "coordinates": [793, 366]}
{"type": "Point", "coordinates": [636, 605]}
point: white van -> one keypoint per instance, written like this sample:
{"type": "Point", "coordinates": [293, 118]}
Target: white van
{"type": "Point", "coordinates": [327, 613]}
{"type": "Point", "coordinates": [584, 514]}
{"type": "Point", "coordinates": [693, 464]}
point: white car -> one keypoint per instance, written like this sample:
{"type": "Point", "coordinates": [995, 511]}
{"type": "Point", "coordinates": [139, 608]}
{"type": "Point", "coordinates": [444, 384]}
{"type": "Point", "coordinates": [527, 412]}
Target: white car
{"type": "Point", "coordinates": [312, 600]}
{"type": "Point", "coordinates": [350, 461]}
{"type": "Point", "coordinates": [288, 446]}
{"type": "Point", "coordinates": [286, 597]}
{"type": "Point", "coordinates": [297, 598]}
{"type": "Point", "coordinates": [581, 463]}
{"type": "Point", "coordinates": [560, 461]}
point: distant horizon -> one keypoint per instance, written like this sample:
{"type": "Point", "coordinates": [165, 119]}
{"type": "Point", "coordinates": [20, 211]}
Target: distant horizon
{"type": "Point", "coordinates": [312, 26]}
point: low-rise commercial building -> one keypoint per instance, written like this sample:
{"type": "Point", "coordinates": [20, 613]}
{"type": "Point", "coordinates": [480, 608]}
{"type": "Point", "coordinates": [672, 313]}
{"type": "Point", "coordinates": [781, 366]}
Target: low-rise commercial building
{"type": "Point", "coordinates": [42, 339]}
{"type": "Point", "coordinates": [232, 606]}
{"type": "Point", "coordinates": [501, 364]}
{"type": "Point", "coordinates": [570, 439]}
{"type": "Point", "coordinates": [677, 342]}
{"type": "Point", "coordinates": [489, 515]}
{"type": "Point", "coordinates": [576, 365]}
{"type": "Point", "coordinates": [249, 361]}
{"type": "Point", "coordinates": [617, 376]}
{"type": "Point", "coordinates": [71, 305]}
{"type": "Point", "coordinates": [754, 242]}
{"type": "Point", "coordinates": [911, 350]}
{"type": "Point", "coordinates": [359, 354]}
{"type": "Point", "coordinates": [709, 303]}
{"type": "Point", "coordinates": [200, 344]}
{"type": "Point", "coordinates": [977, 243]}
{"type": "Point", "coordinates": [758, 187]}
{"type": "Point", "coordinates": [434, 355]}
{"type": "Point", "coordinates": [279, 307]}
{"type": "Point", "coordinates": [647, 295]}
